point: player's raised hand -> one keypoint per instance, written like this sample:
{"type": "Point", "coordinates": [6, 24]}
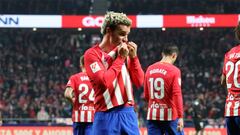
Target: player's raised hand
{"type": "Point", "coordinates": [132, 47]}
{"type": "Point", "coordinates": [123, 50]}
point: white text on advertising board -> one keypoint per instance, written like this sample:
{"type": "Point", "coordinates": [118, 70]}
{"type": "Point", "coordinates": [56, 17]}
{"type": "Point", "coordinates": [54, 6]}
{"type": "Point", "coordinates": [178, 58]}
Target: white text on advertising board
{"type": "Point", "coordinates": [7, 20]}
{"type": "Point", "coordinates": [92, 22]}
{"type": "Point", "coordinates": [200, 21]}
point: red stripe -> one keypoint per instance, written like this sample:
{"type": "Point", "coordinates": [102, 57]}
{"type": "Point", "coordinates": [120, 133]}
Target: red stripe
{"type": "Point", "coordinates": [122, 88]}
{"type": "Point", "coordinates": [157, 114]}
{"type": "Point", "coordinates": [151, 112]}
{"type": "Point", "coordinates": [165, 114]}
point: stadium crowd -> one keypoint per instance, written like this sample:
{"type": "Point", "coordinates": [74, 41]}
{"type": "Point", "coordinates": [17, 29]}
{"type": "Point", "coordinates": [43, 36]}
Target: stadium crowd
{"type": "Point", "coordinates": [35, 66]}
{"type": "Point", "coordinates": [175, 6]}
{"type": "Point", "coordinates": [76, 7]}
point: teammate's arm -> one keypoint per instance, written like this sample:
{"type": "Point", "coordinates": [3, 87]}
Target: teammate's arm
{"type": "Point", "coordinates": [146, 91]}
{"type": "Point", "coordinates": [223, 76]}
{"type": "Point", "coordinates": [223, 80]}
{"type": "Point", "coordinates": [178, 101]}
{"type": "Point", "coordinates": [69, 94]}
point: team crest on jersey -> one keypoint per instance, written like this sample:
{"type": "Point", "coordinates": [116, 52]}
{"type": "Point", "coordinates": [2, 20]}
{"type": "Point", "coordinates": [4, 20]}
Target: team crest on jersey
{"type": "Point", "coordinates": [95, 67]}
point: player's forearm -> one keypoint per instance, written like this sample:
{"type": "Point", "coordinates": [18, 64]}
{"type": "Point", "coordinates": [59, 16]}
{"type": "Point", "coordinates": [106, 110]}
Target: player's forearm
{"type": "Point", "coordinates": [179, 104]}
{"type": "Point", "coordinates": [223, 80]}
{"type": "Point", "coordinates": [136, 72]}
{"type": "Point", "coordinates": [69, 94]}
{"type": "Point", "coordinates": [105, 78]}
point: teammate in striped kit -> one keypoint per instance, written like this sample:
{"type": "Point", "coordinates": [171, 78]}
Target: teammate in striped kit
{"type": "Point", "coordinates": [80, 93]}
{"type": "Point", "coordinates": [231, 80]}
{"type": "Point", "coordinates": [162, 91]}
{"type": "Point", "coordinates": [112, 67]}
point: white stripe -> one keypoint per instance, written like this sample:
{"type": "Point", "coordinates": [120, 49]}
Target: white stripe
{"type": "Point", "coordinates": [161, 114]}
{"type": "Point", "coordinates": [82, 116]}
{"type": "Point", "coordinates": [118, 93]}
{"type": "Point", "coordinates": [154, 113]}
{"type": "Point", "coordinates": [169, 113]}
{"type": "Point", "coordinates": [127, 82]}
{"type": "Point", "coordinates": [112, 54]}
{"type": "Point", "coordinates": [235, 109]}
{"type": "Point", "coordinates": [89, 116]}
{"type": "Point", "coordinates": [107, 99]}
{"type": "Point", "coordinates": [228, 106]}
{"type": "Point", "coordinates": [148, 114]}
{"type": "Point", "coordinates": [76, 116]}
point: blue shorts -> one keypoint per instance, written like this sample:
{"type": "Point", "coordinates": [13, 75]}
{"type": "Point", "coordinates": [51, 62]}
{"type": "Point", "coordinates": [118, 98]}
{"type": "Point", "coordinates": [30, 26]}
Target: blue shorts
{"type": "Point", "coordinates": [117, 121]}
{"type": "Point", "coordinates": [156, 127]}
{"type": "Point", "coordinates": [233, 125]}
{"type": "Point", "coordinates": [82, 128]}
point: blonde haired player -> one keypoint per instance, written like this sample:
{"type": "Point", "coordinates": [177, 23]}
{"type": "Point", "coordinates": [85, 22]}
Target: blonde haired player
{"type": "Point", "coordinates": [113, 67]}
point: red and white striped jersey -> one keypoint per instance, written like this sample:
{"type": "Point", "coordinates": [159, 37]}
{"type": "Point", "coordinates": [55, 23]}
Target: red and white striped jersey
{"type": "Point", "coordinates": [83, 106]}
{"type": "Point", "coordinates": [112, 78]}
{"type": "Point", "coordinates": [162, 90]}
{"type": "Point", "coordinates": [231, 69]}
{"type": "Point", "coordinates": [232, 107]}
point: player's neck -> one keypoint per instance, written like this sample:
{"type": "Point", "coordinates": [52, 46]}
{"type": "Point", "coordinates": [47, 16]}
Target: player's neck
{"type": "Point", "coordinates": [106, 45]}
{"type": "Point", "coordinates": [83, 70]}
{"type": "Point", "coordinates": [166, 60]}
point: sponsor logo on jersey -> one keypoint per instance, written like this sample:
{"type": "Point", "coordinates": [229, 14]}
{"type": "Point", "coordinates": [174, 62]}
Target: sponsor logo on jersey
{"type": "Point", "coordinates": [95, 67]}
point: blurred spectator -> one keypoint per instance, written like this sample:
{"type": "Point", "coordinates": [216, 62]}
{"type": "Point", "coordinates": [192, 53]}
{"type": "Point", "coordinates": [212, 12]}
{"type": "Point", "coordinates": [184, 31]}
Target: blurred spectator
{"type": "Point", "coordinates": [1, 121]}
{"type": "Point", "coordinates": [196, 111]}
{"type": "Point", "coordinates": [42, 114]}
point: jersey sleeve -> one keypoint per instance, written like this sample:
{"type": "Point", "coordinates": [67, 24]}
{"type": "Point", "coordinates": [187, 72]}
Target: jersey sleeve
{"type": "Point", "coordinates": [71, 82]}
{"type": "Point", "coordinates": [96, 71]}
{"type": "Point", "coordinates": [177, 94]}
{"type": "Point", "coordinates": [146, 90]}
{"type": "Point", "coordinates": [135, 71]}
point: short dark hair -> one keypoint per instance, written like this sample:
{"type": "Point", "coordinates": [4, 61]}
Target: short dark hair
{"type": "Point", "coordinates": [170, 48]}
{"type": "Point", "coordinates": [237, 32]}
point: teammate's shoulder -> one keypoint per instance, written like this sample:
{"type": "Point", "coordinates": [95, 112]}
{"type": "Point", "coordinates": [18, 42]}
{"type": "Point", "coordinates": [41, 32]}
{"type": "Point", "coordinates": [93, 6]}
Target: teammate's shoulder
{"type": "Point", "coordinates": [234, 49]}
{"type": "Point", "coordinates": [174, 69]}
{"type": "Point", "coordinates": [76, 75]}
{"type": "Point", "coordinates": [153, 65]}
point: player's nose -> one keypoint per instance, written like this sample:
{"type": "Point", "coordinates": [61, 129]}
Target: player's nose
{"type": "Point", "coordinates": [125, 39]}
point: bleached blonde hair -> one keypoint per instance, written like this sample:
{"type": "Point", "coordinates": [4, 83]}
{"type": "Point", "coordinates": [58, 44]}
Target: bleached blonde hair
{"type": "Point", "coordinates": [113, 19]}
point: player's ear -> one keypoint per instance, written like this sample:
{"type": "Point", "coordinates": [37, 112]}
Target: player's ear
{"type": "Point", "coordinates": [162, 54]}
{"type": "Point", "coordinates": [174, 56]}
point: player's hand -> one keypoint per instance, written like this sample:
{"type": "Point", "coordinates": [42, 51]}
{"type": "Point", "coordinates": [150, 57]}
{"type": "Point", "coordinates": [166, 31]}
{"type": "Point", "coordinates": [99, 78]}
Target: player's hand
{"type": "Point", "coordinates": [180, 124]}
{"type": "Point", "coordinates": [132, 47]}
{"type": "Point", "coordinates": [73, 99]}
{"type": "Point", "coordinates": [123, 50]}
